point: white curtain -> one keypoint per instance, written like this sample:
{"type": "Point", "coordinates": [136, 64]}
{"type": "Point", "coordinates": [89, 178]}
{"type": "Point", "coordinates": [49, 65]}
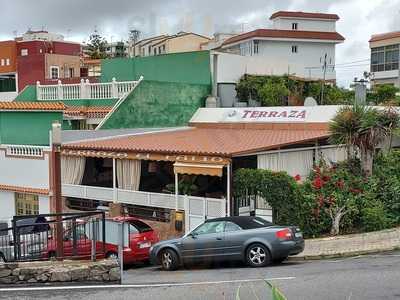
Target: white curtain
{"type": "Point", "coordinates": [128, 174]}
{"type": "Point", "coordinates": [294, 162]}
{"type": "Point", "coordinates": [332, 155]}
{"type": "Point", "coordinates": [72, 169]}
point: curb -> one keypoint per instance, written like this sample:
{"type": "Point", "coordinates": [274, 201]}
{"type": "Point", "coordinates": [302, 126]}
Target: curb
{"type": "Point", "coordinates": [342, 255]}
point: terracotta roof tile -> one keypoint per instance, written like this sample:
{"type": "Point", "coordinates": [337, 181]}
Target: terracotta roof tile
{"type": "Point", "coordinates": [92, 112]}
{"type": "Point", "coordinates": [50, 106]}
{"type": "Point", "coordinates": [304, 15]}
{"type": "Point", "coordinates": [287, 34]}
{"type": "Point", "coordinates": [26, 190]}
{"type": "Point", "coordinates": [385, 36]}
{"type": "Point", "coordinates": [203, 141]}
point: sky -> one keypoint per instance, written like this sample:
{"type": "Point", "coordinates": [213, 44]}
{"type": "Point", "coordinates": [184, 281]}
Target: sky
{"type": "Point", "coordinates": [77, 19]}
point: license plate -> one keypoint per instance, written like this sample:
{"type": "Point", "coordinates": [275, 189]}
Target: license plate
{"type": "Point", "coordinates": [145, 245]}
{"type": "Point", "coordinates": [298, 235]}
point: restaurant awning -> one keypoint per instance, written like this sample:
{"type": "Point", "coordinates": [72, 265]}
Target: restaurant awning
{"type": "Point", "coordinates": [198, 169]}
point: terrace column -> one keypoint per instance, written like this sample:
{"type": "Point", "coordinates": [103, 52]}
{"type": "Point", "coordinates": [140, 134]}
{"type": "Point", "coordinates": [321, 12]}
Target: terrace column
{"type": "Point", "coordinates": [59, 90]}
{"type": "Point", "coordinates": [228, 190]}
{"type": "Point", "coordinates": [115, 195]}
{"type": "Point", "coordinates": [176, 191]}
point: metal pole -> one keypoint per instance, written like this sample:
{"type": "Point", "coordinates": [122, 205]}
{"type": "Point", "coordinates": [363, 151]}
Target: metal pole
{"type": "Point", "coordinates": [93, 252]}
{"type": "Point", "coordinates": [56, 185]}
{"type": "Point", "coordinates": [176, 191]}
{"type": "Point", "coordinates": [323, 82]}
{"type": "Point", "coordinates": [228, 190]}
{"type": "Point", "coordinates": [121, 248]}
{"type": "Point", "coordinates": [114, 181]}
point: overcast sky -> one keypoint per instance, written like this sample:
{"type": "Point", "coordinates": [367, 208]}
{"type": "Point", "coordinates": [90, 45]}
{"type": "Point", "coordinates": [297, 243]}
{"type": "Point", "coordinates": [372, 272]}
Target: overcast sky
{"type": "Point", "coordinates": [76, 19]}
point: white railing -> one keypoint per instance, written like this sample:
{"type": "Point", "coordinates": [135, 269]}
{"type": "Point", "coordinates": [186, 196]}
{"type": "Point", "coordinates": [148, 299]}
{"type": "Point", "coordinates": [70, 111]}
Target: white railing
{"type": "Point", "coordinates": [85, 90]}
{"type": "Point", "coordinates": [24, 151]}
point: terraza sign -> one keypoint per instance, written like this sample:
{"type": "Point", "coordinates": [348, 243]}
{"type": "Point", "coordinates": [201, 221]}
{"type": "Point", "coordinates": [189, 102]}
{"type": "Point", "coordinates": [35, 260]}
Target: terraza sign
{"type": "Point", "coordinates": [282, 115]}
{"type": "Point", "coordinates": [147, 156]}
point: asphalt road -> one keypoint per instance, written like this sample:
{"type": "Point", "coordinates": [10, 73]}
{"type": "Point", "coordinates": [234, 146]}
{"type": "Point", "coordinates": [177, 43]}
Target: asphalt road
{"type": "Point", "coordinates": [366, 277]}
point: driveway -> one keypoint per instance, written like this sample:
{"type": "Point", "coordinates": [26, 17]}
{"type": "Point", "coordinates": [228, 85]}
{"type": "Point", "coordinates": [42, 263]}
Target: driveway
{"type": "Point", "coordinates": [365, 277]}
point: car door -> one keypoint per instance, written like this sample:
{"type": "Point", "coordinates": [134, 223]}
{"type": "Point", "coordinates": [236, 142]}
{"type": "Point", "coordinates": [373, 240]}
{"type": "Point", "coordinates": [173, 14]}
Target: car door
{"type": "Point", "coordinates": [205, 243]}
{"type": "Point", "coordinates": [233, 240]}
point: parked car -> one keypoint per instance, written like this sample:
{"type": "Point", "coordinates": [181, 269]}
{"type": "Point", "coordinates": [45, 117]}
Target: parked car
{"type": "Point", "coordinates": [250, 239]}
{"type": "Point", "coordinates": [32, 238]}
{"type": "Point", "coordinates": [139, 237]}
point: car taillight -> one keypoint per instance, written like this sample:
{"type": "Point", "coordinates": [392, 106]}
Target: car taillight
{"type": "Point", "coordinates": [284, 234]}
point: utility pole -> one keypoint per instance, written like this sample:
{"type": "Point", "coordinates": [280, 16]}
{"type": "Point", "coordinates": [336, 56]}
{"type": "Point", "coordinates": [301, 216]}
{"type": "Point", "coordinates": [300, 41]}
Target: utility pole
{"type": "Point", "coordinates": [56, 185]}
{"type": "Point", "coordinates": [324, 67]}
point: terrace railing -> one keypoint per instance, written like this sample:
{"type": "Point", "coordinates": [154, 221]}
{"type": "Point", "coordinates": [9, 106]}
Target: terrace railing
{"type": "Point", "coordinates": [84, 90]}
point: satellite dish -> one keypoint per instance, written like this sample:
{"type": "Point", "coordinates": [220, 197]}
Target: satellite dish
{"type": "Point", "coordinates": [310, 101]}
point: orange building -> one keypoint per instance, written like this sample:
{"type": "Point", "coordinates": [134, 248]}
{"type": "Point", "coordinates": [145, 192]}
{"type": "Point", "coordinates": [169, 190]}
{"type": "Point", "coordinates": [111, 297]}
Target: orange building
{"type": "Point", "coordinates": [8, 57]}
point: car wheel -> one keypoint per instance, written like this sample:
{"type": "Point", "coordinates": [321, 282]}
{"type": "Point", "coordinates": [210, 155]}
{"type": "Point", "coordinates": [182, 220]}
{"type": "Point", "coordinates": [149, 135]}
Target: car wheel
{"type": "Point", "coordinates": [169, 260]}
{"type": "Point", "coordinates": [257, 255]}
{"type": "Point", "coordinates": [2, 259]}
{"type": "Point", "coordinates": [112, 255]}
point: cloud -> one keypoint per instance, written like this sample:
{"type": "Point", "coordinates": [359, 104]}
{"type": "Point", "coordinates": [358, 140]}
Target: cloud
{"type": "Point", "coordinates": [76, 19]}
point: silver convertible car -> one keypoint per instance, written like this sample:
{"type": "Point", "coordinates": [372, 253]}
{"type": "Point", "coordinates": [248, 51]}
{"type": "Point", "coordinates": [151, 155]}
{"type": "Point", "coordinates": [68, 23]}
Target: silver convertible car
{"type": "Point", "coordinates": [250, 239]}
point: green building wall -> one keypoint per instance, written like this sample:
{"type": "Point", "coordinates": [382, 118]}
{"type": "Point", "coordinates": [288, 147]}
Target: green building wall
{"type": "Point", "coordinates": [159, 104]}
{"type": "Point", "coordinates": [27, 128]}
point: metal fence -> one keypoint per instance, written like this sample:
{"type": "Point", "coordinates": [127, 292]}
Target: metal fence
{"type": "Point", "coordinates": [34, 237]}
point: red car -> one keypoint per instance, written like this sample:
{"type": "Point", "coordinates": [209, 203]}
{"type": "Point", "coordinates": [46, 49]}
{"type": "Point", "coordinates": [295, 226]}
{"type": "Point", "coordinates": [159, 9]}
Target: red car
{"type": "Point", "coordinates": [139, 237]}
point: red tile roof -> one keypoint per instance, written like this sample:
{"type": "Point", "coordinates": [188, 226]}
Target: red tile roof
{"type": "Point", "coordinates": [203, 141]}
{"type": "Point", "coordinates": [91, 112]}
{"type": "Point", "coordinates": [25, 190]}
{"type": "Point", "coordinates": [286, 34]}
{"type": "Point", "coordinates": [385, 36]}
{"type": "Point", "coordinates": [50, 106]}
{"type": "Point", "coordinates": [304, 15]}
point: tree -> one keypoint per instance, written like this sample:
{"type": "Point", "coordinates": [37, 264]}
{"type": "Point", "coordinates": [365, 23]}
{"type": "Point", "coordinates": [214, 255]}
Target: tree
{"type": "Point", "coordinates": [97, 46]}
{"type": "Point", "coordinates": [362, 127]}
{"type": "Point", "coordinates": [274, 92]}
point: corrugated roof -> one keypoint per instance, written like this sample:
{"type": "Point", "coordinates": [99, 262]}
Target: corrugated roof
{"type": "Point", "coordinates": [48, 106]}
{"type": "Point", "coordinates": [304, 15]}
{"type": "Point", "coordinates": [204, 141]}
{"type": "Point", "coordinates": [287, 34]}
{"type": "Point", "coordinates": [385, 36]}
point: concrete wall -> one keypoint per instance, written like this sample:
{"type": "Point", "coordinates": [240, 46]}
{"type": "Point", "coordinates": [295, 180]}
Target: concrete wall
{"type": "Point", "coordinates": [305, 25]}
{"type": "Point", "coordinates": [63, 62]}
{"type": "Point", "coordinates": [185, 43]}
{"type": "Point", "coordinates": [7, 206]}
{"type": "Point", "coordinates": [24, 172]}
{"type": "Point", "coordinates": [159, 104]}
{"type": "Point", "coordinates": [8, 96]}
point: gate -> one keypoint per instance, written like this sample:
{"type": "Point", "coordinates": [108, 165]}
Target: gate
{"type": "Point", "coordinates": [197, 210]}
{"type": "Point", "coordinates": [33, 237]}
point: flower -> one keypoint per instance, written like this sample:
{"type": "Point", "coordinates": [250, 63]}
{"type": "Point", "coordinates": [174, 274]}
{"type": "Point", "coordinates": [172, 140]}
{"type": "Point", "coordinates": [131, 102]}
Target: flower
{"type": "Point", "coordinates": [317, 183]}
{"type": "Point", "coordinates": [297, 177]}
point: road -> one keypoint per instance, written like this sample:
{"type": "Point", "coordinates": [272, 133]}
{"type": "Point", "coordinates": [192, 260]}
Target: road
{"type": "Point", "coordinates": [367, 277]}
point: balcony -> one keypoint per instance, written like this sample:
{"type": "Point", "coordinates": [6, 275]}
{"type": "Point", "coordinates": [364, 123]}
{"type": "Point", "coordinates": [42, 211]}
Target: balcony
{"type": "Point", "coordinates": [85, 90]}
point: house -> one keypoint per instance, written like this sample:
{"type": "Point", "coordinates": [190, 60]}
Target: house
{"type": "Point", "coordinates": [216, 42]}
{"type": "Point", "coordinates": [117, 49]}
{"type": "Point", "coordinates": [143, 47]}
{"type": "Point", "coordinates": [385, 58]}
{"type": "Point", "coordinates": [299, 43]}
{"type": "Point", "coordinates": [167, 44]}
{"type": "Point", "coordinates": [8, 70]}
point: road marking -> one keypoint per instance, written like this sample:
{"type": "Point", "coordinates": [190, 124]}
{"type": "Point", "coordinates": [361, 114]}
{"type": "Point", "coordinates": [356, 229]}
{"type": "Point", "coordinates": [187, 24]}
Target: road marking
{"type": "Point", "coordinates": [128, 286]}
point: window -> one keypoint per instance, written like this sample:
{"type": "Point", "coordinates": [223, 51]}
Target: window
{"type": "Point", "coordinates": [7, 61]}
{"type": "Point", "coordinates": [71, 72]}
{"type": "Point", "coordinates": [155, 51]}
{"type": "Point", "coordinates": [294, 49]}
{"type": "Point", "coordinates": [149, 50]}
{"type": "Point", "coordinates": [24, 52]}
{"type": "Point", "coordinates": [230, 226]}
{"type": "Point", "coordinates": [2, 62]}
{"type": "Point", "coordinates": [294, 26]}
{"type": "Point", "coordinates": [26, 204]}
{"type": "Point", "coordinates": [54, 72]}
{"type": "Point", "coordinates": [256, 48]}
{"type": "Point", "coordinates": [209, 228]}
{"type": "Point", "coordinates": [385, 58]}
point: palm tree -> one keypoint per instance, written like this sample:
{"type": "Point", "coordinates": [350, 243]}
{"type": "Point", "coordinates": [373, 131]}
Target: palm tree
{"type": "Point", "coordinates": [365, 128]}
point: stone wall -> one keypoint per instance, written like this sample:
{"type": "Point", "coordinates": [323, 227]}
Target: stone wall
{"type": "Point", "coordinates": [54, 271]}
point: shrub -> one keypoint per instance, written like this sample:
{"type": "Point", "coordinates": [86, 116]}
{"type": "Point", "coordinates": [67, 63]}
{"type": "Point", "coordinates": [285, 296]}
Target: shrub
{"type": "Point", "coordinates": [374, 217]}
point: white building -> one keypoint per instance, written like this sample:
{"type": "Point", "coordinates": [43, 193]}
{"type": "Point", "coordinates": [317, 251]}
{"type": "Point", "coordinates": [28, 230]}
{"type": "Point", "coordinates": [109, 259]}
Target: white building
{"type": "Point", "coordinates": [299, 44]}
{"type": "Point", "coordinates": [385, 58]}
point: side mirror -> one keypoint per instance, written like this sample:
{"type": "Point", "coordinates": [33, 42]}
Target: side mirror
{"type": "Point", "coordinates": [193, 235]}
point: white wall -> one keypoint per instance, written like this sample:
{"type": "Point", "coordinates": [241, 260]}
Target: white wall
{"type": "Point", "coordinates": [44, 204]}
{"type": "Point", "coordinates": [306, 25]}
{"type": "Point", "coordinates": [24, 172]}
{"type": "Point", "coordinates": [7, 206]}
{"type": "Point", "coordinates": [276, 58]}
{"type": "Point", "coordinates": [8, 96]}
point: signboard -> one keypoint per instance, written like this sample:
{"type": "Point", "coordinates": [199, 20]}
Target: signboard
{"type": "Point", "coordinates": [270, 115]}
{"type": "Point", "coordinates": [148, 156]}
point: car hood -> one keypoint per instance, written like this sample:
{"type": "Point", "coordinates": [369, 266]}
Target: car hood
{"type": "Point", "coordinates": [168, 242]}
